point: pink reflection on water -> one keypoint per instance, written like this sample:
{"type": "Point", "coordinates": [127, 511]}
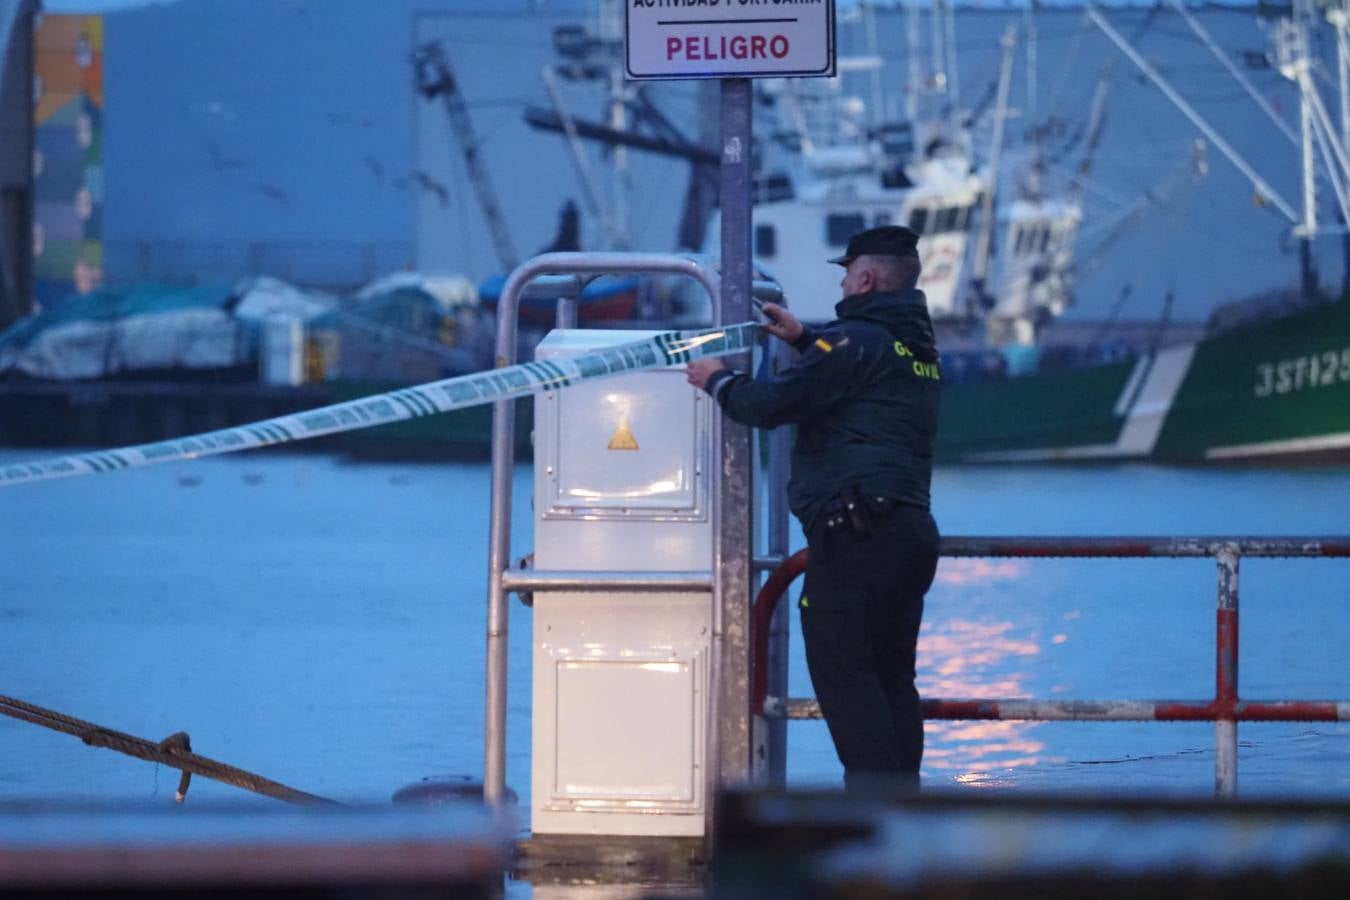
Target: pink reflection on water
{"type": "Point", "coordinates": [958, 647]}
{"type": "Point", "coordinates": [962, 571]}
{"type": "Point", "coordinates": [962, 658]}
{"type": "Point", "coordinates": [984, 780]}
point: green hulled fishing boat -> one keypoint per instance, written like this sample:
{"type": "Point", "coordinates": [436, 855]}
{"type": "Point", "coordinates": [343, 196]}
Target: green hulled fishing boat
{"type": "Point", "coordinates": [1277, 390]}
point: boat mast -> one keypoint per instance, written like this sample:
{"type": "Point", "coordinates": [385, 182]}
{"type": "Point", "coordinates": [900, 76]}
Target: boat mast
{"type": "Point", "coordinates": [611, 35]}
{"type": "Point", "coordinates": [939, 51]}
{"type": "Point", "coordinates": [1299, 67]}
{"type": "Point", "coordinates": [1337, 14]}
{"type": "Point", "coordinates": [1295, 63]}
{"type": "Point", "coordinates": [1029, 17]}
{"type": "Point", "coordinates": [1339, 17]}
{"type": "Point", "coordinates": [1093, 132]}
{"type": "Point", "coordinates": [915, 73]}
{"type": "Point", "coordinates": [1031, 186]}
{"type": "Point", "coordinates": [1292, 54]}
{"type": "Point", "coordinates": [1317, 137]}
{"type": "Point", "coordinates": [952, 69]}
{"type": "Point", "coordinates": [984, 239]}
{"type": "Point", "coordinates": [876, 108]}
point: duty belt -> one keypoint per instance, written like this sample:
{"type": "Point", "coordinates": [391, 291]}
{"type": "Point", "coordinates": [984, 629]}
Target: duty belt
{"type": "Point", "coordinates": [856, 511]}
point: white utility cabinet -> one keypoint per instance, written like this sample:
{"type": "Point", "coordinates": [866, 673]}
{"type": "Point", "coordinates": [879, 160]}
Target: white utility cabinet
{"type": "Point", "coordinates": [622, 476]}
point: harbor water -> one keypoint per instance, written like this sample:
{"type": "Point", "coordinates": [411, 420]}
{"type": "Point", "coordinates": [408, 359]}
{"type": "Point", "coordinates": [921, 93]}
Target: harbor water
{"type": "Point", "coordinates": [321, 623]}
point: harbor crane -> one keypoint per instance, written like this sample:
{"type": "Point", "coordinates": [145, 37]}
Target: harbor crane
{"type": "Point", "coordinates": [435, 79]}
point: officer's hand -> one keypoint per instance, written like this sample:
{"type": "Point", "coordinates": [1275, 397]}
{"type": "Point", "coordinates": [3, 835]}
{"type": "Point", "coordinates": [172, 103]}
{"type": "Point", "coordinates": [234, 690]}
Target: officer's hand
{"type": "Point", "coordinates": [699, 371]}
{"type": "Point", "coordinates": [782, 324]}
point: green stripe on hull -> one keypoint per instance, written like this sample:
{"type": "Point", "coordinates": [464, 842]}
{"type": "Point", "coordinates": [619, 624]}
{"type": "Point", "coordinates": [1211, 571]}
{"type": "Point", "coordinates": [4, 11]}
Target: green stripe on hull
{"type": "Point", "coordinates": [1059, 409]}
{"type": "Point", "coordinates": [1282, 381]}
{"type": "Point", "coordinates": [458, 434]}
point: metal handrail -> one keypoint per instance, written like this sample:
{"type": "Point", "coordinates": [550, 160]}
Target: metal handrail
{"type": "Point", "coordinates": [1225, 709]}
{"type": "Point", "coordinates": [1144, 547]}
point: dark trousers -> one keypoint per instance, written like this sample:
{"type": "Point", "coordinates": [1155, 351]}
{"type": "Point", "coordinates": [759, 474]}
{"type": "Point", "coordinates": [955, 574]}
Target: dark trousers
{"type": "Point", "coordinates": [861, 608]}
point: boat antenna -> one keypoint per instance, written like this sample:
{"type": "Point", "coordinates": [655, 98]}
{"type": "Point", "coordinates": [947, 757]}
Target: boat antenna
{"type": "Point", "coordinates": [984, 239]}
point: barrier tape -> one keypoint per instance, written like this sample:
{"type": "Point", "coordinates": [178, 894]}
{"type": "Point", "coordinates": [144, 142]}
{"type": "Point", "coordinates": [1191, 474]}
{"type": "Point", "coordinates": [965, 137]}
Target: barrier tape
{"type": "Point", "coordinates": [666, 349]}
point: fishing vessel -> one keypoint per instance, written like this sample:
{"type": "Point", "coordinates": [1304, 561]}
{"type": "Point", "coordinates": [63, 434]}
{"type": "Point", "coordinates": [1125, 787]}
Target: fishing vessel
{"type": "Point", "coordinates": [1269, 381]}
{"type": "Point", "coordinates": [1265, 380]}
{"type": "Point", "coordinates": [1026, 268]}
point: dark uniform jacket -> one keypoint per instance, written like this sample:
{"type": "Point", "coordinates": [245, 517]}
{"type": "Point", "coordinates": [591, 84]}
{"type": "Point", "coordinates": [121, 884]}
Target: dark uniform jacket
{"type": "Point", "coordinates": [864, 396]}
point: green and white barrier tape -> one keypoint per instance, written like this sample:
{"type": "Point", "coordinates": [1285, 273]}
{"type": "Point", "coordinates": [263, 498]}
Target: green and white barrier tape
{"type": "Point", "coordinates": [669, 348]}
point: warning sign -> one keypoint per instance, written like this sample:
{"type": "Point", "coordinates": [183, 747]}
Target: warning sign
{"type": "Point", "coordinates": [623, 438]}
{"type": "Point", "coordinates": [728, 38]}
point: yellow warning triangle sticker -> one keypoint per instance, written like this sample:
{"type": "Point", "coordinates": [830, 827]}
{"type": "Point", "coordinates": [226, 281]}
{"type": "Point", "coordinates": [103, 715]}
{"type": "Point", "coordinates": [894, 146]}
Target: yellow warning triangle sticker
{"type": "Point", "coordinates": [623, 438]}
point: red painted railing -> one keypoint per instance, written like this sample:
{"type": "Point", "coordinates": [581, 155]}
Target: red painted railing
{"type": "Point", "coordinates": [1226, 709]}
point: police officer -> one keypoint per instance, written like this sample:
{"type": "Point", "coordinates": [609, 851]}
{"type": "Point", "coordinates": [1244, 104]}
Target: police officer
{"type": "Point", "coordinates": [864, 398]}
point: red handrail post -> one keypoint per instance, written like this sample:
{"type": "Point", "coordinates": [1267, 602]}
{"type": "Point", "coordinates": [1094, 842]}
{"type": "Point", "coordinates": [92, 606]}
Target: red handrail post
{"type": "Point", "coordinates": [1226, 673]}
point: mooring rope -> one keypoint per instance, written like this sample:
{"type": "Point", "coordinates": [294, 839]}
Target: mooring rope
{"type": "Point", "coordinates": [175, 751]}
{"type": "Point", "coordinates": [665, 349]}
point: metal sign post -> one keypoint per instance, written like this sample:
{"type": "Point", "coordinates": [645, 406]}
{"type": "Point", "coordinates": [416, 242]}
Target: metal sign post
{"type": "Point", "coordinates": [732, 41]}
{"type": "Point", "coordinates": [734, 553]}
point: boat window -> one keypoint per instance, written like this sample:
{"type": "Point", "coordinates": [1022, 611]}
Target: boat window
{"type": "Point", "coordinates": [918, 219]}
{"type": "Point", "coordinates": [897, 139]}
{"type": "Point", "coordinates": [962, 217]}
{"type": "Point", "coordinates": [946, 219]}
{"type": "Point", "coordinates": [766, 241]}
{"type": "Point", "coordinates": [1045, 240]}
{"type": "Point", "coordinates": [773, 187]}
{"type": "Point", "coordinates": [839, 227]}
{"type": "Point", "coordinates": [894, 177]}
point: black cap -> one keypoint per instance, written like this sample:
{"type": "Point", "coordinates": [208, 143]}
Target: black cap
{"type": "Point", "coordinates": [884, 240]}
